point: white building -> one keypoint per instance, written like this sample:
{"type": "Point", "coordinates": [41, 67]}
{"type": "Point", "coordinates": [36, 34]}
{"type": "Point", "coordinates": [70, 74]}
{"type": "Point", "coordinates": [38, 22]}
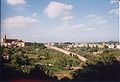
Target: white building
{"type": "Point", "coordinates": [111, 46]}
{"type": "Point", "coordinates": [118, 46]}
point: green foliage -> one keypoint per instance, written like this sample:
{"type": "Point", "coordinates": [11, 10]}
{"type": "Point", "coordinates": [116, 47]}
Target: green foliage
{"type": "Point", "coordinates": [59, 46]}
{"type": "Point", "coordinates": [38, 45]}
{"type": "Point", "coordinates": [105, 68]}
{"type": "Point", "coordinates": [68, 61]}
{"type": "Point", "coordinates": [25, 60]}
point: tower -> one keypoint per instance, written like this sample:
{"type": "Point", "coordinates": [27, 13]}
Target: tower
{"type": "Point", "coordinates": [4, 39]}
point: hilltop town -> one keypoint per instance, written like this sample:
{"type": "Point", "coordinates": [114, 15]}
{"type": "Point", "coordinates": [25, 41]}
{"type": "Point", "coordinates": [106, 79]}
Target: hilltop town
{"type": "Point", "coordinates": [54, 60]}
{"type": "Point", "coordinates": [18, 42]}
{"type": "Point", "coordinates": [66, 47]}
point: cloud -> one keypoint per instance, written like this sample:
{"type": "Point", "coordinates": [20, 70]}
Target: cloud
{"type": "Point", "coordinates": [113, 1]}
{"type": "Point", "coordinates": [76, 26]}
{"type": "Point", "coordinates": [114, 11]}
{"type": "Point", "coordinates": [34, 14]}
{"type": "Point", "coordinates": [94, 19]}
{"type": "Point", "coordinates": [60, 29]}
{"type": "Point", "coordinates": [90, 29]}
{"type": "Point", "coordinates": [67, 18]}
{"type": "Point", "coordinates": [94, 22]}
{"type": "Point", "coordinates": [16, 2]}
{"type": "Point", "coordinates": [115, 4]}
{"type": "Point", "coordinates": [19, 22]}
{"type": "Point", "coordinates": [90, 16]}
{"type": "Point", "coordinates": [57, 9]}
{"type": "Point", "coordinates": [70, 27]}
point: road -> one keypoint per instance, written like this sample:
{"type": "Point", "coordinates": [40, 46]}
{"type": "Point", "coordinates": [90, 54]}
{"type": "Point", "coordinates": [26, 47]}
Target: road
{"type": "Point", "coordinates": [67, 52]}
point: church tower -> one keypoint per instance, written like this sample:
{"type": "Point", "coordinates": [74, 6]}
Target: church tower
{"type": "Point", "coordinates": [4, 39]}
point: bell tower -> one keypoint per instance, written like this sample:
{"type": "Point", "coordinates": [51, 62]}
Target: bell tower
{"type": "Point", "coordinates": [4, 39]}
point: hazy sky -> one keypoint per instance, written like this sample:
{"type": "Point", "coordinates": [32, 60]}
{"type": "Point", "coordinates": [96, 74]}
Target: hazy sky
{"type": "Point", "coordinates": [60, 20]}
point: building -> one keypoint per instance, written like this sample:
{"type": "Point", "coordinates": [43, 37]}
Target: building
{"type": "Point", "coordinates": [118, 47]}
{"type": "Point", "coordinates": [111, 46]}
{"type": "Point", "coordinates": [12, 42]}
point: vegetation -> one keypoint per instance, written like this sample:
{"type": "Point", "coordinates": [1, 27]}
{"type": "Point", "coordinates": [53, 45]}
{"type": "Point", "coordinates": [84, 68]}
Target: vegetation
{"type": "Point", "coordinates": [38, 62]}
{"type": "Point", "coordinates": [105, 68]}
{"type": "Point", "coordinates": [31, 60]}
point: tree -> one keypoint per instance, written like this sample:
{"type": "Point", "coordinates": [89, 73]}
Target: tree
{"type": "Point", "coordinates": [39, 73]}
{"type": "Point", "coordinates": [106, 68]}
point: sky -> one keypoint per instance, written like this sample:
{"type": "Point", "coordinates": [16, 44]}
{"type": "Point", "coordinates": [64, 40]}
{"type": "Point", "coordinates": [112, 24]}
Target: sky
{"type": "Point", "coordinates": [60, 20]}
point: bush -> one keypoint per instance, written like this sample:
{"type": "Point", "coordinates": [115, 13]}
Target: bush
{"type": "Point", "coordinates": [105, 68]}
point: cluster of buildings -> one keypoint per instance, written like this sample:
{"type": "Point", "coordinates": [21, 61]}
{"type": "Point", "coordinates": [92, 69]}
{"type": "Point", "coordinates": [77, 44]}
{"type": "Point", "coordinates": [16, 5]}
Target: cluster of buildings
{"type": "Point", "coordinates": [102, 45]}
{"type": "Point", "coordinates": [13, 42]}
{"type": "Point", "coordinates": [98, 45]}
{"type": "Point", "coordinates": [20, 43]}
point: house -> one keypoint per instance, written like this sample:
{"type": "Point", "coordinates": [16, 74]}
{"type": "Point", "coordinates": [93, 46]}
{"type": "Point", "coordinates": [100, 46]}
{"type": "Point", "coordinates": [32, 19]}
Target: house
{"type": "Point", "coordinates": [111, 46]}
{"type": "Point", "coordinates": [118, 46]}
